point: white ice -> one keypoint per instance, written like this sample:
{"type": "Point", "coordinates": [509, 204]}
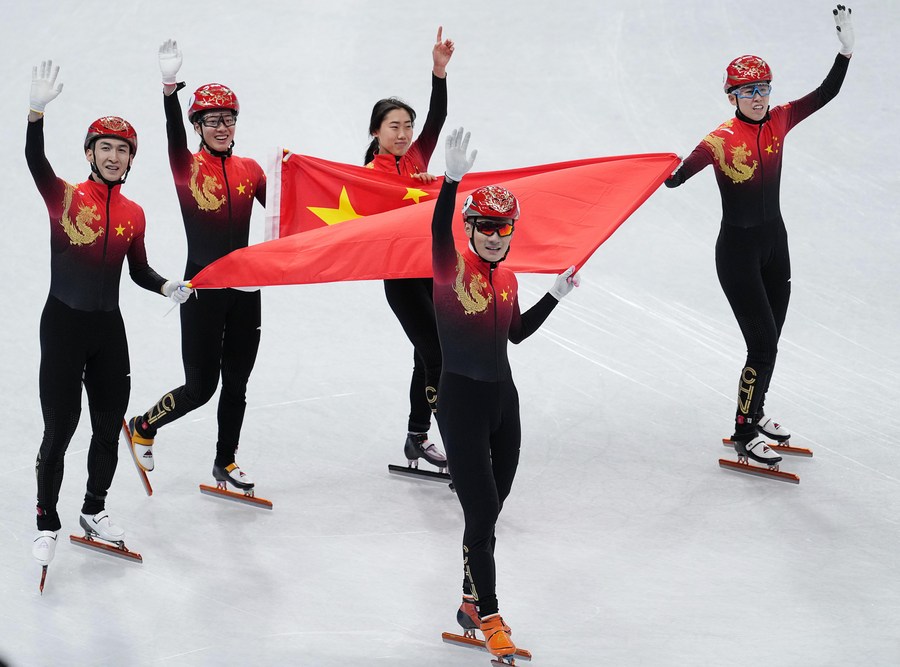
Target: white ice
{"type": "Point", "coordinates": [623, 542]}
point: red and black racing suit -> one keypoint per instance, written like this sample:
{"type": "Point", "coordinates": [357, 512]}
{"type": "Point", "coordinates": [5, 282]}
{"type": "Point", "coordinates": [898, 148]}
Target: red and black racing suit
{"type": "Point", "coordinates": [477, 309]}
{"type": "Point", "coordinates": [93, 229]}
{"type": "Point", "coordinates": [220, 329]}
{"type": "Point", "coordinates": [411, 298]}
{"type": "Point", "coordinates": [752, 258]}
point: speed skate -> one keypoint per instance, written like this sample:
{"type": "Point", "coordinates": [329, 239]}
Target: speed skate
{"type": "Point", "coordinates": [770, 469]}
{"type": "Point", "coordinates": [234, 476]}
{"type": "Point", "coordinates": [468, 640]}
{"type": "Point", "coordinates": [145, 481]}
{"type": "Point", "coordinates": [94, 542]}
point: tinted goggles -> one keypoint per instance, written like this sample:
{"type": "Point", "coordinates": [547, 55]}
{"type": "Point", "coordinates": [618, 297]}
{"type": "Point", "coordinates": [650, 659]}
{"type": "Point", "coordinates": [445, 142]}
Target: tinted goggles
{"type": "Point", "coordinates": [488, 227]}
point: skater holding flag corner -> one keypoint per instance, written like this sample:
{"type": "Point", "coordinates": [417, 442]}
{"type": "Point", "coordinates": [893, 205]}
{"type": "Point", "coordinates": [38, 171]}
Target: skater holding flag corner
{"type": "Point", "coordinates": [752, 259]}
{"type": "Point", "coordinates": [477, 308]}
{"type": "Point", "coordinates": [93, 230]}
{"type": "Point", "coordinates": [220, 331]}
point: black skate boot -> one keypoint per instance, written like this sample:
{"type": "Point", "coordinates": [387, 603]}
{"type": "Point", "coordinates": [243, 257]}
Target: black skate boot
{"type": "Point", "coordinates": [418, 446]}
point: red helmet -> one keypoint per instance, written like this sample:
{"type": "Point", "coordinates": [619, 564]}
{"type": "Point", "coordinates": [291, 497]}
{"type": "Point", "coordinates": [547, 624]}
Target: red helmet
{"type": "Point", "coordinates": [746, 69]}
{"type": "Point", "coordinates": [111, 126]}
{"type": "Point", "coordinates": [210, 97]}
{"type": "Point", "coordinates": [491, 201]}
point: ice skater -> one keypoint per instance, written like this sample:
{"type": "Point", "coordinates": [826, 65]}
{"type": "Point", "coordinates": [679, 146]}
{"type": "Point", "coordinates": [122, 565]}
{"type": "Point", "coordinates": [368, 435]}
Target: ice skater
{"type": "Point", "coordinates": [93, 229]}
{"type": "Point", "coordinates": [393, 150]}
{"type": "Point", "coordinates": [477, 307]}
{"type": "Point", "coordinates": [752, 259]}
{"type": "Point", "coordinates": [220, 330]}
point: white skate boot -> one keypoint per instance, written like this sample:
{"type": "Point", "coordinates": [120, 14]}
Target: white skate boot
{"type": "Point", "coordinates": [232, 475]}
{"type": "Point", "coordinates": [44, 547]}
{"type": "Point", "coordinates": [141, 444]}
{"type": "Point", "coordinates": [99, 525]}
{"type": "Point", "coordinates": [758, 450]}
{"type": "Point", "coordinates": [418, 446]}
{"type": "Point", "coordinates": [773, 430]}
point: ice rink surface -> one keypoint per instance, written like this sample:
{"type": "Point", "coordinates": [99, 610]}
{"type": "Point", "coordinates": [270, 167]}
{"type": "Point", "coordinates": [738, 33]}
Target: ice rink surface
{"type": "Point", "coordinates": [622, 543]}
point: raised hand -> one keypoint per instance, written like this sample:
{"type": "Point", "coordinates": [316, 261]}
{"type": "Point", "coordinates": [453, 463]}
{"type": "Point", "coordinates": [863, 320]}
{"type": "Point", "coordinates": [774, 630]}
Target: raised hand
{"type": "Point", "coordinates": [844, 27]}
{"type": "Point", "coordinates": [441, 54]}
{"type": "Point", "coordinates": [44, 88]}
{"type": "Point", "coordinates": [457, 164]}
{"type": "Point", "coordinates": [169, 62]}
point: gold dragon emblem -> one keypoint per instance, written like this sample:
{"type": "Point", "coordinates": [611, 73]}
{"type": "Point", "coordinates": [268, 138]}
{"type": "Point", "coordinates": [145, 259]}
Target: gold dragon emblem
{"type": "Point", "coordinates": [204, 195]}
{"type": "Point", "coordinates": [79, 232]}
{"type": "Point", "coordinates": [738, 170]}
{"type": "Point", "coordinates": [473, 299]}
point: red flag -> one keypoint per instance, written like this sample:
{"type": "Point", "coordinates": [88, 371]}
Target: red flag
{"type": "Point", "coordinates": [568, 210]}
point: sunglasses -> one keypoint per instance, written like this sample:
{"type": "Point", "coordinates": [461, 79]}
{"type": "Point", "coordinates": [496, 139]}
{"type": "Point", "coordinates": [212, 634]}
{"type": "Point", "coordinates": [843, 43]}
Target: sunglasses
{"type": "Point", "coordinates": [747, 92]}
{"type": "Point", "coordinates": [488, 227]}
{"type": "Point", "coordinates": [214, 121]}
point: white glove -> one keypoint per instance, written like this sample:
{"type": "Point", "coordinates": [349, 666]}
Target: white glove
{"type": "Point", "coordinates": [565, 283]}
{"type": "Point", "coordinates": [844, 27]}
{"type": "Point", "coordinates": [169, 62]}
{"type": "Point", "coordinates": [458, 165]}
{"type": "Point", "coordinates": [177, 290]}
{"type": "Point", "coordinates": [43, 87]}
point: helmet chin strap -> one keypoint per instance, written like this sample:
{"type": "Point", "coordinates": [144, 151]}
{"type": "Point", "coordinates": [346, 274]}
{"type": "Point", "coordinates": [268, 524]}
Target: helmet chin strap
{"type": "Point", "coordinates": [492, 262]}
{"type": "Point", "coordinates": [109, 183]}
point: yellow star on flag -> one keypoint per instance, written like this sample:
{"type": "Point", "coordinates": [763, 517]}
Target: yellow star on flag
{"type": "Point", "coordinates": [120, 231]}
{"type": "Point", "coordinates": [333, 216]}
{"type": "Point", "coordinates": [415, 194]}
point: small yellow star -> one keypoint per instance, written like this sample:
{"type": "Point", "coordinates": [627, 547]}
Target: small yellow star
{"type": "Point", "coordinates": [415, 194]}
{"type": "Point", "coordinates": [120, 231]}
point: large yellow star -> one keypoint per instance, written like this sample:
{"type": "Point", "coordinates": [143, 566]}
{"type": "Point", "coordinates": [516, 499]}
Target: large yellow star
{"type": "Point", "coordinates": [333, 216]}
{"type": "Point", "coordinates": [505, 295]}
{"type": "Point", "coordinates": [415, 194]}
{"type": "Point", "coordinates": [120, 231]}
{"type": "Point", "coordinates": [769, 149]}
{"type": "Point", "coordinates": [241, 188]}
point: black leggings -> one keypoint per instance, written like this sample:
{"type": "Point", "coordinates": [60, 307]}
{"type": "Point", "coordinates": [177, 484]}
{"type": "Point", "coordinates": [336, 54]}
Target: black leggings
{"type": "Point", "coordinates": [412, 301]}
{"type": "Point", "coordinates": [754, 269]}
{"type": "Point", "coordinates": [480, 427]}
{"type": "Point", "coordinates": [89, 348]}
{"type": "Point", "coordinates": [220, 331]}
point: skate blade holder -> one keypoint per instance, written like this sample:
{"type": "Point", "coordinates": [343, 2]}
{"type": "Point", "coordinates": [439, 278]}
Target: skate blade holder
{"type": "Point", "coordinates": [743, 465]}
{"type": "Point", "coordinates": [246, 496]}
{"type": "Point", "coordinates": [780, 447]}
{"type": "Point", "coordinates": [116, 548]}
{"type": "Point", "coordinates": [477, 644]}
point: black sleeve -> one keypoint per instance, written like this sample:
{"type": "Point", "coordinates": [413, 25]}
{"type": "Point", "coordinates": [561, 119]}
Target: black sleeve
{"type": "Point", "coordinates": [179, 153]}
{"type": "Point", "coordinates": [44, 177]}
{"type": "Point", "coordinates": [532, 319]}
{"type": "Point", "coordinates": [443, 249]}
{"type": "Point", "coordinates": [434, 121]}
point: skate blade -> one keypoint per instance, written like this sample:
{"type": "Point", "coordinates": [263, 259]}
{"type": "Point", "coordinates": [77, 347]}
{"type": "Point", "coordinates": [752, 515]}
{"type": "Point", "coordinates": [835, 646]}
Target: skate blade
{"type": "Point", "coordinates": [106, 548]}
{"type": "Point", "coordinates": [469, 642]}
{"type": "Point", "coordinates": [141, 472]}
{"type": "Point", "coordinates": [43, 578]}
{"type": "Point", "coordinates": [759, 471]}
{"type": "Point", "coordinates": [781, 448]}
{"type": "Point", "coordinates": [241, 497]}
{"type": "Point", "coordinates": [418, 473]}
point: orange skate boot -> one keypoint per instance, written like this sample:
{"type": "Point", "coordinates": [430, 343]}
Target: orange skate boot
{"type": "Point", "coordinates": [496, 636]}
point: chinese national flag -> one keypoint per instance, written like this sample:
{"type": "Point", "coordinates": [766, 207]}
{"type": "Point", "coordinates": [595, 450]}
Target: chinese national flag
{"type": "Point", "coordinates": [359, 224]}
